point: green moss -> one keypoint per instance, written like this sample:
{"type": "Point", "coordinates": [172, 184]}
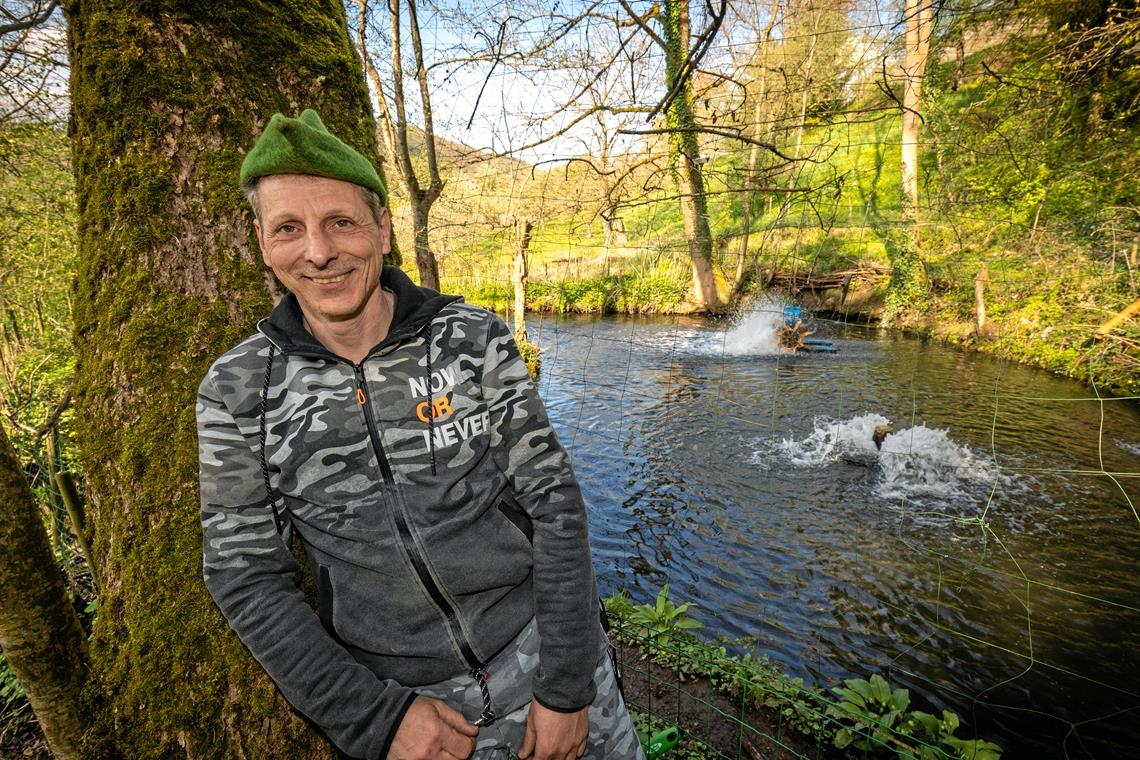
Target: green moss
{"type": "Point", "coordinates": [166, 97]}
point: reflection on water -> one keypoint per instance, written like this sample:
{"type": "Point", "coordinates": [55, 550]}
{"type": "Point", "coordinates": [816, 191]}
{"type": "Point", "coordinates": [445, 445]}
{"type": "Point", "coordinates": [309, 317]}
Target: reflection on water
{"type": "Point", "coordinates": [984, 557]}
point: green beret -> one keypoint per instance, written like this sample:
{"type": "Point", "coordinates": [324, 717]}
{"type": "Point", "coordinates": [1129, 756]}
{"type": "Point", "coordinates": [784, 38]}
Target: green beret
{"type": "Point", "coordinates": [304, 146]}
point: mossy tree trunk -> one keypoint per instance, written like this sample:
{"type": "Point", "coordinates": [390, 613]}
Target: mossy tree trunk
{"type": "Point", "coordinates": [909, 290]}
{"type": "Point", "coordinates": [39, 633]}
{"type": "Point", "coordinates": [686, 150]}
{"type": "Point", "coordinates": [166, 97]}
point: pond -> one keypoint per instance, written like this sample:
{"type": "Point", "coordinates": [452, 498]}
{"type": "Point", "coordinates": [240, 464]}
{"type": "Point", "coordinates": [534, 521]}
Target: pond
{"type": "Point", "coordinates": [984, 557]}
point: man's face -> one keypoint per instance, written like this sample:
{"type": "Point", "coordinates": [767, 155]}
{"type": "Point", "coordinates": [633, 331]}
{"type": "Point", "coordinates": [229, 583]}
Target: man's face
{"type": "Point", "coordinates": [319, 238]}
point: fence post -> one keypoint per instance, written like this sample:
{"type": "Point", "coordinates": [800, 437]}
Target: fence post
{"type": "Point", "coordinates": [520, 277]}
{"type": "Point", "coordinates": [980, 297]}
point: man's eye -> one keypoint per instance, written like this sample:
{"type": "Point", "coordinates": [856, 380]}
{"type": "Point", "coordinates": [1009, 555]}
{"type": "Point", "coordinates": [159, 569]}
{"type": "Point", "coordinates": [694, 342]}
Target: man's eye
{"type": "Point", "coordinates": [343, 224]}
{"type": "Point", "coordinates": [286, 229]}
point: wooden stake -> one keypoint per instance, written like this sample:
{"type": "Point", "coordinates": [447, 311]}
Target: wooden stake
{"type": "Point", "coordinates": [520, 277]}
{"type": "Point", "coordinates": [980, 297]}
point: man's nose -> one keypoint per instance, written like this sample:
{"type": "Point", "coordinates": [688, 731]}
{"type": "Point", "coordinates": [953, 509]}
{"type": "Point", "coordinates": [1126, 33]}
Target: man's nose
{"type": "Point", "coordinates": [319, 248]}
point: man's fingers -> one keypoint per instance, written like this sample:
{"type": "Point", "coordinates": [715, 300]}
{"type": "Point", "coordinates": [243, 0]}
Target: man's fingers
{"type": "Point", "coordinates": [458, 745]}
{"type": "Point", "coordinates": [430, 728]}
{"type": "Point", "coordinates": [455, 719]}
{"type": "Point", "coordinates": [527, 748]}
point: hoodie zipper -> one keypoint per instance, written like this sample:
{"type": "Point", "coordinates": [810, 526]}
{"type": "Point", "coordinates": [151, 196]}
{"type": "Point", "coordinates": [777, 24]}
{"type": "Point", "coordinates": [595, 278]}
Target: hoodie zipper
{"type": "Point", "coordinates": [417, 560]}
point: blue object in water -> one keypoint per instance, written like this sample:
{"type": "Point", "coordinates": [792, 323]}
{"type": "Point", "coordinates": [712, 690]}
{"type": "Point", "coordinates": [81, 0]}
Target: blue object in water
{"type": "Point", "coordinates": [791, 315]}
{"type": "Point", "coordinates": [819, 344]}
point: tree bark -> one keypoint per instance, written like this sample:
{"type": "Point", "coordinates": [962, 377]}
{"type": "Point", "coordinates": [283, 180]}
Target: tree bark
{"type": "Point", "coordinates": [39, 633]}
{"type": "Point", "coordinates": [425, 259]}
{"type": "Point", "coordinates": [760, 103]}
{"type": "Point", "coordinates": [909, 289]}
{"type": "Point", "coordinates": [393, 128]}
{"type": "Point", "coordinates": [166, 98]}
{"type": "Point", "coordinates": [919, 23]}
{"type": "Point", "coordinates": [686, 150]}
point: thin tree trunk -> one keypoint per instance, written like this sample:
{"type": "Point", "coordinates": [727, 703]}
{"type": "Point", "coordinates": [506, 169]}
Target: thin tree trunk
{"type": "Point", "coordinates": [959, 63]}
{"type": "Point", "coordinates": [166, 98]}
{"type": "Point", "coordinates": [801, 123]}
{"type": "Point", "coordinates": [393, 127]}
{"type": "Point", "coordinates": [425, 259]}
{"type": "Point", "coordinates": [918, 27]}
{"type": "Point", "coordinates": [980, 298]}
{"type": "Point", "coordinates": [39, 633]}
{"type": "Point", "coordinates": [909, 288]}
{"type": "Point", "coordinates": [686, 149]}
{"type": "Point", "coordinates": [758, 118]}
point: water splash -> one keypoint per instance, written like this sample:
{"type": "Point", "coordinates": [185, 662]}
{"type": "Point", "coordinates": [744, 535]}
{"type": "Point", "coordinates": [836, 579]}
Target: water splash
{"type": "Point", "coordinates": [917, 464]}
{"type": "Point", "coordinates": [922, 462]}
{"type": "Point", "coordinates": [755, 334]}
{"type": "Point", "coordinates": [835, 441]}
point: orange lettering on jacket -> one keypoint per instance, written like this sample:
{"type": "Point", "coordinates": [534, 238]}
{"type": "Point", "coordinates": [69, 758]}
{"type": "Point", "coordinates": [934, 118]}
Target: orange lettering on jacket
{"type": "Point", "coordinates": [440, 407]}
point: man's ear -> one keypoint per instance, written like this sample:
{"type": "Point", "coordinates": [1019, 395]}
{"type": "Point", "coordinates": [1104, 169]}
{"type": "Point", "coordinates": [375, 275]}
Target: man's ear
{"type": "Point", "coordinates": [385, 231]}
{"type": "Point", "coordinates": [261, 242]}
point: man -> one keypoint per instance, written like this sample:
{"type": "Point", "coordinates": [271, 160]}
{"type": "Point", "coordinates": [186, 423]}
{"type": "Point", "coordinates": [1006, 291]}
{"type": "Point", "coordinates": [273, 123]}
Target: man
{"type": "Point", "coordinates": [396, 433]}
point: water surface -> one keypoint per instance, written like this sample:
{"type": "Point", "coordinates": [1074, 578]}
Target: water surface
{"type": "Point", "coordinates": [985, 558]}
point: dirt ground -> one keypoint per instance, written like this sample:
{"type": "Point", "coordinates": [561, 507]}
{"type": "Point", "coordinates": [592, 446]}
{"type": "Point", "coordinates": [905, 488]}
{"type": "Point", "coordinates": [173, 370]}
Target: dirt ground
{"type": "Point", "coordinates": [25, 742]}
{"type": "Point", "coordinates": [715, 725]}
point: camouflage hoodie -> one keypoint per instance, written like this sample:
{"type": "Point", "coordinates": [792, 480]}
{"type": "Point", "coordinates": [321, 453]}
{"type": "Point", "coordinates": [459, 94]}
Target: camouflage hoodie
{"type": "Point", "coordinates": [435, 504]}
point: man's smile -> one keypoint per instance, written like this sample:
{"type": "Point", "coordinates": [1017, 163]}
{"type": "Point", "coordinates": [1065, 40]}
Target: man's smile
{"type": "Point", "coordinates": [329, 279]}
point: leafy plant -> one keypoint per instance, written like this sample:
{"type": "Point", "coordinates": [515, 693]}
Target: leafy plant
{"type": "Point", "coordinates": [13, 702]}
{"type": "Point", "coordinates": [870, 718]}
{"type": "Point", "coordinates": [664, 616]}
{"type": "Point", "coordinates": [879, 717]}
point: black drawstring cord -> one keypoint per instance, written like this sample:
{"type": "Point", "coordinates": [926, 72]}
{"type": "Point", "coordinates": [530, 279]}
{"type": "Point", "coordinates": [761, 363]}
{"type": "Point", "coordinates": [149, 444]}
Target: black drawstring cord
{"type": "Point", "coordinates": [270, 494]}
{"type": "Point", "coordinates": [487, 717]}
{"type": "Point", "coordinates": [431, 402]}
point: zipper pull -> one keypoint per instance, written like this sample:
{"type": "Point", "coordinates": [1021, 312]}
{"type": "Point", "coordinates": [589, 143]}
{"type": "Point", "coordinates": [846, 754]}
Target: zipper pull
{"type": "Point", "coordinates": [360, 395]}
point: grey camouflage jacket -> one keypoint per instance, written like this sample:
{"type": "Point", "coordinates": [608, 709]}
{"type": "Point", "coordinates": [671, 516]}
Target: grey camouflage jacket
{"type": "Point", "coordinates": [437, 509]}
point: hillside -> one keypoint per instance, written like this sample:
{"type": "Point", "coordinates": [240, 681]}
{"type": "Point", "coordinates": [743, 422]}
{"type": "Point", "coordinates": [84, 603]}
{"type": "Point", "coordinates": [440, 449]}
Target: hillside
{"type": "Point", "coordinates": [1022, 186]}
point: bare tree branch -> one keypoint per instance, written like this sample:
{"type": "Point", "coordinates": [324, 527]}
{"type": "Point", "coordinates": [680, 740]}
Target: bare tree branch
{"type": "Point", "coordinates": [35, 18]}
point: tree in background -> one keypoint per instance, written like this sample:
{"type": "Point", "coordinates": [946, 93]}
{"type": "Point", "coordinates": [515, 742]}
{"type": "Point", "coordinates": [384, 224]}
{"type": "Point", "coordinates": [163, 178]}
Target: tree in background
{"type": "Point", "coordinates": [909, 288]}
{"type": "Point", "coordinates": [393, 126]}
{"type": "Point", "coordinates": [682, 125]}
{"type": "Point", "coordinates": [762, 125]}
{"type": "Point", "coordinates": [32, 58]}
{"type": "Point", "coordinates": [35, 191]}
{"type": "Point", "coordinates": [39, 632]}
{"type": "Point", "coordinates": [166, 96]}
{"type": "Point", "coordinates": [919, 20]}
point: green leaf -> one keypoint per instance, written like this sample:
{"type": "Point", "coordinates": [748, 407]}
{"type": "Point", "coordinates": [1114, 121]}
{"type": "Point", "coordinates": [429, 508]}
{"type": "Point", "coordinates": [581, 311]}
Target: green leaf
{"type": "Point", "coordinates": [880, 690]}
{"type": "Point", "coordinates": [900, 699]}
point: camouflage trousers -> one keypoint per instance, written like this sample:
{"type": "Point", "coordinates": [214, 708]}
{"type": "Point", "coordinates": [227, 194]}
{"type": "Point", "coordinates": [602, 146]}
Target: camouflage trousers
{"type": "Point", "coordinates": [511, 675]}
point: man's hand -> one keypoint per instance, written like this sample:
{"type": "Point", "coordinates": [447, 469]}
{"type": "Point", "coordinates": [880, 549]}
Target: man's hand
{"type": "Point", "coordinates": [431, 730]}
{"type": "Point", "coordinates": [551, 735]}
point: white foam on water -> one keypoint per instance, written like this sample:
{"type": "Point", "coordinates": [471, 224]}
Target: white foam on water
{"type": "Point", "coordinates": [914, 464]}
{"type": "Point", "coordinates": [922, 462]}
{"type": "Point", "coordinates": [755, 334]}
{"type": "Point", "coordinates": [834, 441]}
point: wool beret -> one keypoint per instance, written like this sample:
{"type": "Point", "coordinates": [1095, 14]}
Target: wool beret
{"type": "Point", "coordinates": [304, 146]}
